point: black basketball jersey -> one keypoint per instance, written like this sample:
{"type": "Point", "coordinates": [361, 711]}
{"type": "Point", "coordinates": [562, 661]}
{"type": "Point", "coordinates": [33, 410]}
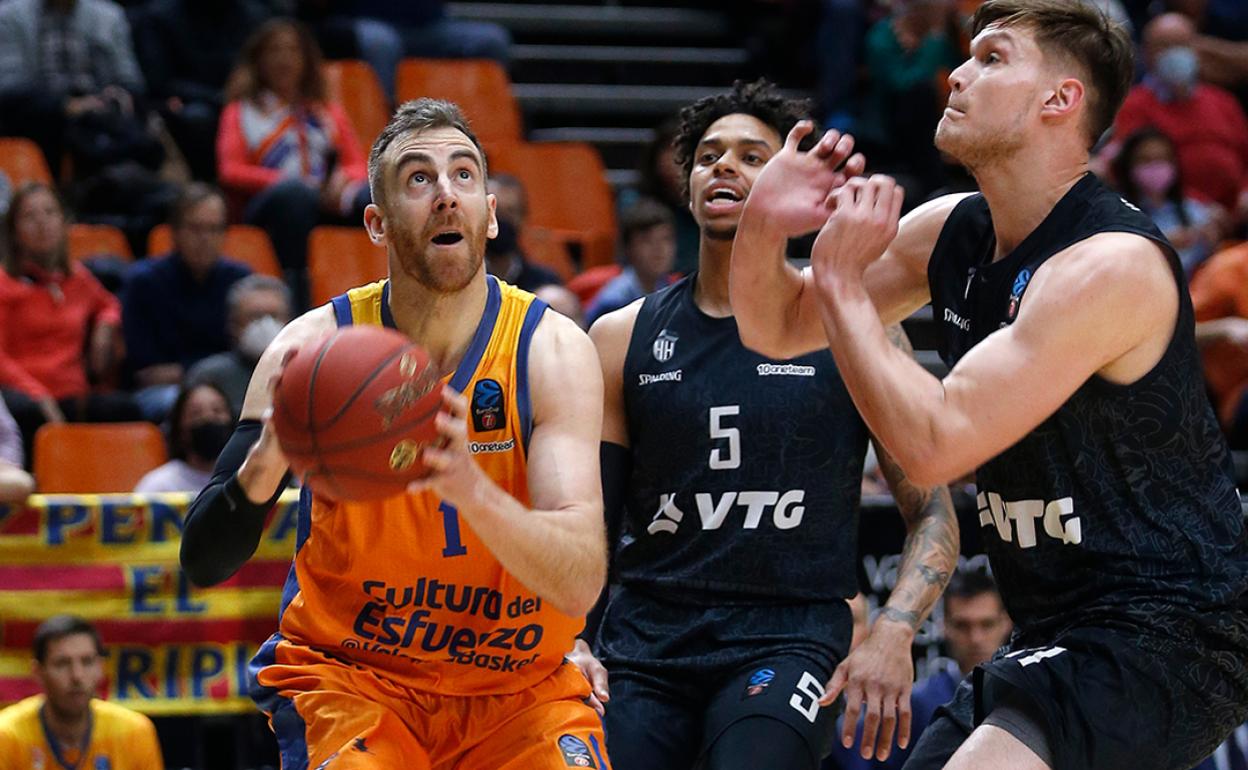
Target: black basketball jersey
{"type": "Point", "coordinates": [746, 471]}
{"type": "Point", "coordinates": [1122, 503]}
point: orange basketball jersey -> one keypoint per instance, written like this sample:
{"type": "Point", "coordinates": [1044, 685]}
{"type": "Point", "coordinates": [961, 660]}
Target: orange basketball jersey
{"type": "Point", "coordinates": [403, 586]}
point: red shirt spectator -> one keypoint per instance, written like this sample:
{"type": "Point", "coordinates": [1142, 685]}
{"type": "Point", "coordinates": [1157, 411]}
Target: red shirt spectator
{"type": "Point", "coordinates": [1208, 128]}
{"type": "Point", "coordinates": [1205, 122]}
{"type": "Point", "coordinates": [56, 321]}
{"type": "Point", "coordinates": [44, 321]}
{"type": "Point", "coordinates": [287, 155]}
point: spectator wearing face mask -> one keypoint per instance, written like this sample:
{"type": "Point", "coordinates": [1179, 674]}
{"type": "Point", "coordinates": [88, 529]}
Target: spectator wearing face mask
{"type": "Point", "coordinates": [1147, 174]}
{"type": "Point", "coordinates": [1205, 122]}
{"type": "Point", "coordinates": [258, 307]}
{"type": "Point", "coordinates": [199, 426]}
{"type": "Point", "coordinates": [173, 308]}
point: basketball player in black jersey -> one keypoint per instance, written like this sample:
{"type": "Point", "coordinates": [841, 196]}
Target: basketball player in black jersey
{"type": "Point", "coordinates": [738, 480]}
{"type": "Point", "coordinates": [1105, 488]}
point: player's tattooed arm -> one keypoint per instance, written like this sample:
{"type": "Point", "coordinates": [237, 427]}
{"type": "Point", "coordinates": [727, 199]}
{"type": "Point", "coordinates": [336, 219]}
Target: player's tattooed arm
{"type": "Point", "coordinates": [930, 552]}
{"type": "Point", "coordinates": [877, 676]}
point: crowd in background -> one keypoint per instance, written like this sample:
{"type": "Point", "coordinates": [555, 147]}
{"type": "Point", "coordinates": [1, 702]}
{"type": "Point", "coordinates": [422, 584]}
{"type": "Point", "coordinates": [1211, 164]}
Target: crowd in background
{"type": "Point", "coordinates": [201, 115]}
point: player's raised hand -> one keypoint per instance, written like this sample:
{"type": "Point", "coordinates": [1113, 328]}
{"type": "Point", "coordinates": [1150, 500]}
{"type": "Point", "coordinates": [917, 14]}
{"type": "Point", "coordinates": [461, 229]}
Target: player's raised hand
{"type": "Point", "coordinates": [454, 475]}
{"type": "Point", "coordinates": [862, 222]}
{"type": "Point", "coordinates": [876, 679]}
{"type": "Point", "coordinates": [791, 194]}
{"type": "Point", "coordinates": [594, 671]}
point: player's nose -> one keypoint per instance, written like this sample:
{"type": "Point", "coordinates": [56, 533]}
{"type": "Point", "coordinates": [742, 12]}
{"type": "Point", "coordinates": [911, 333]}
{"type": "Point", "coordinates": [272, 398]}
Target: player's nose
{"type": "Point", "coordinates": [446, 198]}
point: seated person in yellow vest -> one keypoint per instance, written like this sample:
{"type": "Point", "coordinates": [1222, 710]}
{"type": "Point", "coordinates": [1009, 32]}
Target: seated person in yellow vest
{"type": "Point", "coordinates": [67, 726]}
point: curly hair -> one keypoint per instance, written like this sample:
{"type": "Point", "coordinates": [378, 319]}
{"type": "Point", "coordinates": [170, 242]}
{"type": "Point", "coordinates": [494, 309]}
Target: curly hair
{"type": "Point", "coordinates": [759, 99]}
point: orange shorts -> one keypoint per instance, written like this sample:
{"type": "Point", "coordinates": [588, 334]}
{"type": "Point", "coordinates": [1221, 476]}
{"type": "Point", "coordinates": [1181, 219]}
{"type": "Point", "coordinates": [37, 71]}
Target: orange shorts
{"type": "Point", "coordinates": [330, 715]}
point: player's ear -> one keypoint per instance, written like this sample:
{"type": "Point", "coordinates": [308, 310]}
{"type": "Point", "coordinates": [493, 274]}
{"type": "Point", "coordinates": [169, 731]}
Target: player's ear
{"type": "Point", "coordinates": [1064, 99]}
{"type": "Point", "coordinates": [491, 229]}
{"type": "Point", "coordinates": [375, 224]}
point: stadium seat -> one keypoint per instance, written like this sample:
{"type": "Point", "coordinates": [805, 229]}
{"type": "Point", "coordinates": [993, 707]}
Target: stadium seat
{"type": "Point", "coordinates": [587, 285]}
{"type": "Point", "coordinates": [245, 243]}
{"type": "Point", "coordinates": [479, 86]}
{"type": "Point", "coordinates": [568, 193]}
{"type": "Point", "coordinates": [72, 458]}
{"type": "Point", "coordinates": [544, 247]}
{"type": "Point", "coordinates": [86, 241]}
{"type": "Point", "coordinates": [354, 85]}
{"type": "Point", "coordinates": [341, 258]}
{"type": "Point", "coordinates": [22, 161]}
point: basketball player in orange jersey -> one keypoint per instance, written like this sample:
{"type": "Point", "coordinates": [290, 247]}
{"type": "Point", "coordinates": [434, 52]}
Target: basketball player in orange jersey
{"type": "Point", "coordinates": [428, 630]}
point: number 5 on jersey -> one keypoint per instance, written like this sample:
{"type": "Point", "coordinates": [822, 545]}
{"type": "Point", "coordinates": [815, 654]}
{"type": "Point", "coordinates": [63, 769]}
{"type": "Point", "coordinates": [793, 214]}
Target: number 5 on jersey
{"type": "Point", "coordinates": [725, 457]}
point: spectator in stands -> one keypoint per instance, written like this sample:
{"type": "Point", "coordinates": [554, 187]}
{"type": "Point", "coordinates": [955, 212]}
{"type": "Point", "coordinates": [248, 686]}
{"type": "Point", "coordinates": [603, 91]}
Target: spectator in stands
{"type": "Point", "coordinates": [1205, 122]}
{"type": "Point", "coordinates": [64, 65]}
{"type": "Point", "coordinates": [58, 325]}
{"type": "Point", "coordinates": [660, 178]}
{"type": "Point", "coordinates": [174, 307]}
{"type": "Point", "coordinates": [258, 306]}
{"type": "Point", "coordinates": [1146, 171]}
{"type": "Point", "coordinates": [15, 483]}
{"type": "Point", "coordinates": [649, 239]}
{"type": "Point", "coordinates": [187, 50]}
{"type": "Point", "coordinates": [976, 625]}
{"type": "Point", "coordinates": [384, 32]}
{"type": "Point", "coordinates": [290, 158]}
{"type": "Point", "coordinates": [199, 425]}
{"type": "Point", "coordinates": [1220, 300]}
{"type": "Point", "coordinates": [67, 726]}
{"type": "Point", "coordinates": [505, 258]}
{"type": "Point", "coordinates": [908, 56]}
{"type": "Point", "coordinates": [503, 255]}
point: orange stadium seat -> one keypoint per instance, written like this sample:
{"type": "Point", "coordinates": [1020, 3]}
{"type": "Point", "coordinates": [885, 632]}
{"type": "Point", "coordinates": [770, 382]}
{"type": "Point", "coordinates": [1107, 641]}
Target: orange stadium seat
{"type": "Point", "coordinates": [354, 85]}
{"type": "Point", "coordinates": [341, 258]}
{"type": "Point", "coordinates": [479, 86]}
{"type": "Point", "coordinates": [93, 240]}
{"type": "Point", "coordinates": [587, 285]}
{"type": "Point", "coordinates": [544, 247]}
{"type": "Point", "coordinates": [568, 193]}
{"type": "Point", "coordinates": [245, 243]}
{"type": "Point", "coordinates": [72, 458]}
{"type": "Point", "coordinates": [21, 160]}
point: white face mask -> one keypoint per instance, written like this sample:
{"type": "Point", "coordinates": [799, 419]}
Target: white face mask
{"type": "Point", "coordinates": [257, 335]}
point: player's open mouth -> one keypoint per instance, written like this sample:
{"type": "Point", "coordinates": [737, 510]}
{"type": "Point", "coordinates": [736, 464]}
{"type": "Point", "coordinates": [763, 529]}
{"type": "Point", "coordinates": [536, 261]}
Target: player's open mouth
{"type": "Point", "coordinates": [722, 198]}
{"type": "Point", "coordinates": [448, 238]}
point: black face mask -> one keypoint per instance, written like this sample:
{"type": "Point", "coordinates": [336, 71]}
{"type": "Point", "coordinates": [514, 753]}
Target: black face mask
{"type": "Point", "coordinates": [209, 438]}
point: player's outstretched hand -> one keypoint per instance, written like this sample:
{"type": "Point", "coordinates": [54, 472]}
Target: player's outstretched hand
{"type": "Point", "coordinates": [791, 194]}
{"type": "Point", "coordinates": [454, 475]}
{"type": "Point", "coordinates": [594, 671]}
{"type": "Point", "coordinates": [876, 679]}
{"type": "Point", "coordinates": [863, 218]}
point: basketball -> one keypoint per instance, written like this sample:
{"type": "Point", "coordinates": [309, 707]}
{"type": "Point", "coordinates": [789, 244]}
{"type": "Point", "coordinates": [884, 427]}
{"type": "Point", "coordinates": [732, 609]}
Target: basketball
{"type": "Point", "coordinates": [354, 412]}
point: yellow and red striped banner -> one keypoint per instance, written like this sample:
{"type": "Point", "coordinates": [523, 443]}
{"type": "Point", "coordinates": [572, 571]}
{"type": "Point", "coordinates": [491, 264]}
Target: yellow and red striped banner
{"type": "Point", "coordinates": [172, 648]}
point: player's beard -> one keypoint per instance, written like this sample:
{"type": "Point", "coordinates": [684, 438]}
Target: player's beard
{"type": "Point", "coordinates": [444, 273]}
{"type": "Point", "coordinates": [980, 149]}
{"type": "Point", "coordinates": [721, 232]}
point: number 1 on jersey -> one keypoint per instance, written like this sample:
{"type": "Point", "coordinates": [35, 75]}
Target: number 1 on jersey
{"type": "Point", "coordinates": [450, 524]}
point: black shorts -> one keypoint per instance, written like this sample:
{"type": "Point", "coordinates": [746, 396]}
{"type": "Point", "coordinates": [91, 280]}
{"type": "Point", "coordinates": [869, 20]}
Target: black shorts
{"type": "Point", "coordinates": [687, 679]}
{"type": "Point", "coordinates": [671, 722]}
{"type": "Point", "coordinates": [1110, 698]}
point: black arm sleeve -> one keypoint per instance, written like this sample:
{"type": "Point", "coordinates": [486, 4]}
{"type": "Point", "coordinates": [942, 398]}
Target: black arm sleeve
{"type": "Point", "coordinates": [222, 526]}
{"type": "Point", "coordinates": [617, 465]}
